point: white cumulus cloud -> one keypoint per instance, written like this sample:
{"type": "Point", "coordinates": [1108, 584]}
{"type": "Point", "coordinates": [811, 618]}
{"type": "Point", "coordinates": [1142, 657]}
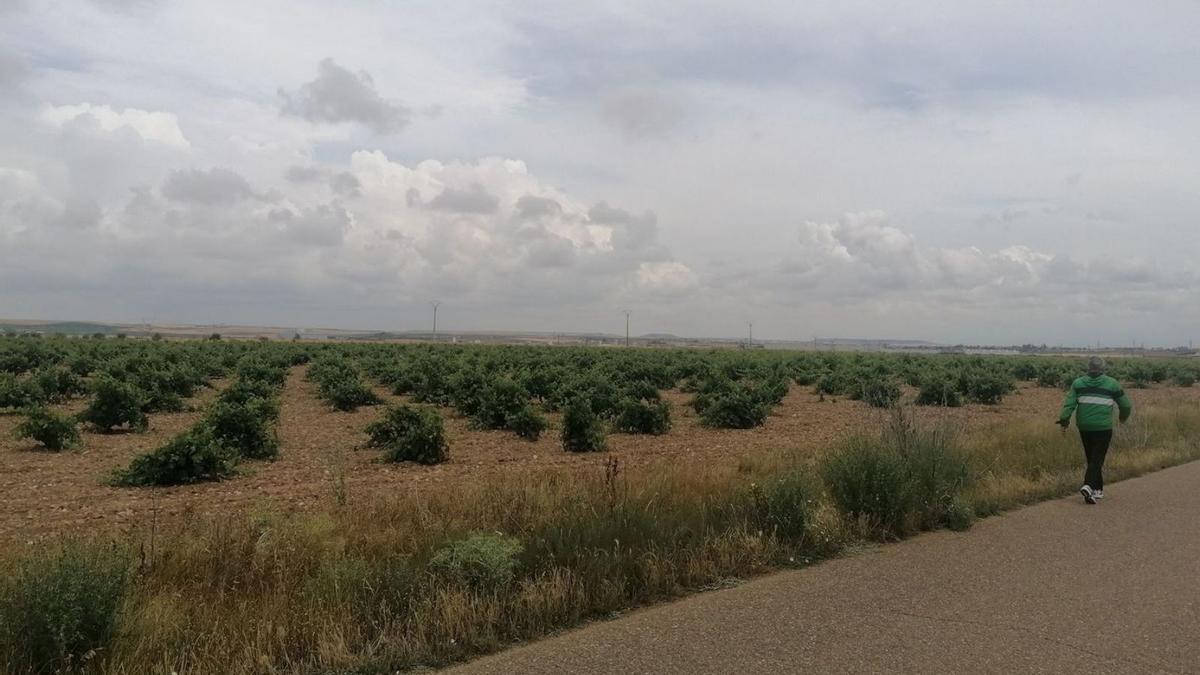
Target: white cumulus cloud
{"type": "Point", "coordinates": [159, 127]}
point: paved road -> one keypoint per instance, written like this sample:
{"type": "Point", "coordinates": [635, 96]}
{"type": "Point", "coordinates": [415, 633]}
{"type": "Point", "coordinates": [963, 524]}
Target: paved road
{"type": "Point", "coordinates": [1059, 587]}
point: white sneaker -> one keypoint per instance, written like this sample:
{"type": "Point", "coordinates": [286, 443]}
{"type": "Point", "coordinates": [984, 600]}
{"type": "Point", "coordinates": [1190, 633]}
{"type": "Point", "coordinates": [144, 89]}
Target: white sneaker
{"type": "Point", "coordinates": [1098, 494]}
{"type": "Point", "coordinates": [1088, 495]}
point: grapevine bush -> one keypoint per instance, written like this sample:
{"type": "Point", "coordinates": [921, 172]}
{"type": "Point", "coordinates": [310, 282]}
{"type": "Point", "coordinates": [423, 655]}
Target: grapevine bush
{"type": "Point", "coordinates": [53, 430]}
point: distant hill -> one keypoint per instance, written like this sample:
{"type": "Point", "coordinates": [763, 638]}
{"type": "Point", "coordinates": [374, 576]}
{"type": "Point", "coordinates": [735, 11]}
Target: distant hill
{"type": "Point", "coordinates": [59, 327]}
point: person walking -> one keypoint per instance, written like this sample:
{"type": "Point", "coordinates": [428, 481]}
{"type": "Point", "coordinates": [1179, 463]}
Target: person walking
{"type": "Point", "coordinates": [1092, 399]}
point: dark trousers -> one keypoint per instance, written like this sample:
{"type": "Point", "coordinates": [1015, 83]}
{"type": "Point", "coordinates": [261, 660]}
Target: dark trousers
{"type": "Point", "coordinates": [1095, 447]}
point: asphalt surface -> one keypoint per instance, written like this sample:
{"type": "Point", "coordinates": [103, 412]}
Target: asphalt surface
{"type": "Point", "coordinates": [1060, 587]}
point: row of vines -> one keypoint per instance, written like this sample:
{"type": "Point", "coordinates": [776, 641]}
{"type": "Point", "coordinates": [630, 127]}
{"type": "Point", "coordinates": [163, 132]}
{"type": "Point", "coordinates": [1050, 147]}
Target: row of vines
{"type": "Point", "coordinates": [515, 389]}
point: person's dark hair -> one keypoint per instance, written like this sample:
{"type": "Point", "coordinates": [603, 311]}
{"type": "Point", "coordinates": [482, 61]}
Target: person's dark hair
{"type": "Point", "coordinates": [1095, 365]}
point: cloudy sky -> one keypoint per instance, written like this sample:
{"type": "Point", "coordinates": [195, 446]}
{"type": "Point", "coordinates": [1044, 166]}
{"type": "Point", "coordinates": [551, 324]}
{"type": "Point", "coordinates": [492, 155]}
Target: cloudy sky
{"type": "Point", "coordinates": [987, 172]}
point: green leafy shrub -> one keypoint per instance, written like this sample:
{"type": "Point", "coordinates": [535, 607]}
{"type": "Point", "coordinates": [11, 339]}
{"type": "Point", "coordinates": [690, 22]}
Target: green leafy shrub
{"type": "Point", "coordinates": [411, 435]}
{"type": "Point", "coordinates": [53, 430]}
{"type": "Point", "coordinates": [1184, 379]}
{"type": "Point", "coordinates": [772, 390]}
{"type": "Point", "coordinates": [347, 394]}
{"type": "Point", "coordinates": [395, 422]}
{"type": "Point", "coordinates": [260, 370]}
{"type": "Point", "coordinates": [834, 383]}
{"type": "Point", "coordinates": [467, 390]}
{"type": "Point", "coordinates": [939, 389]}
{"type": "Point", "coordinates": [244, 427]}
{"type": "Point", "coordinates": [987, 386]}
{"type": "Point", "coordinates": [735, 409]}
{"type": "Point", "coordinates": [194, 456]}
{"type": "Point", "coordinates": [1053, 378]}
{"type": "Point", "coordinates": [338, 382]}
{"type": "Point", "coordinates": [639, 390]}
{"type": "Point", "coordinates": [601, 394]}
{"type": "Point", "coordinates": [638, 416]}
{"type": "Point", "coordinates": [19, 392]}
{"type": "Point", "coordinates": [58, 384]}
{"type": "Point", "coordinates": [499, 402]}
{"type": "Point", "coordinates": [260, 393]}
{"type": "Point", "coordinates": [480, 562]}
{"type": "Point", "coordinates": [429, 380]}
{"type": "Point", "coordinates": [158, 399]}
{"type": "Point", "coordinates": [527, 423]}
{"type": "Point", "coordinates": [115, 403]}
{"type": "Point", "coordinates": [880, 393]}
{"type": "Point", "coordinates": [582, 431]}
{"type": "Point", "coordinates": [60, 605]}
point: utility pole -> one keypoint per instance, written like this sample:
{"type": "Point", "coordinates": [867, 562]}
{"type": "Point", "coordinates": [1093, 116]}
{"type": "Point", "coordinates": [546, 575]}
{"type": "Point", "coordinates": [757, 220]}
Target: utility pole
{"type": "Point", "coordinates": [435, 305]}
{"type": "Point", "coordinates": [627, 313]}
{"type": "Point", "coordinates": [751, 341]}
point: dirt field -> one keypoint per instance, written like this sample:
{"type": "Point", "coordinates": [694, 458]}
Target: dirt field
{"type": "Point", "coordinates": [44, 493]}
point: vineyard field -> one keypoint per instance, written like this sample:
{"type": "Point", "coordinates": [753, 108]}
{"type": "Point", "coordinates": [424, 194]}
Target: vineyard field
{"type": "Point", "coordinates": [321, 456]}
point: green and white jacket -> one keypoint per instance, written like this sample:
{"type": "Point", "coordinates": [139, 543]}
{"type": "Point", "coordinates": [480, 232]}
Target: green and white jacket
{"type": "Point", "coordinates": [1092, 399]}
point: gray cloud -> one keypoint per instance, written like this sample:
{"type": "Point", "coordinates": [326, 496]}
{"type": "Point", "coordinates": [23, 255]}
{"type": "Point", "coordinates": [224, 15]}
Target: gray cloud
{"type": "Point", "coordinates": [126, 5]}
{"type": "Point", "coordinates": [475, 199]}
{"type": "Point", "coordinates": [630, 232]}
{"type": "Point", "coordinates": [971, 124]}
{"type": "Point", "coordinates": [323, 225]}
{"type": "Point", "coordinates": [530, 207]}
{"type": "Point", "coordinates": [215, 186]}
{"type": "Point", "coordinates": [345, 184]}
{"type": "Point", "coordinates": [13, 70]}
{"type": "Point", "coordinates": [304, 174]}
{"type": "Point", "coordinates": [546, 250]}
{"type": "Point", "coordinates": [340, 95]}
{"type": "Point", "coordinates": [642, 113]}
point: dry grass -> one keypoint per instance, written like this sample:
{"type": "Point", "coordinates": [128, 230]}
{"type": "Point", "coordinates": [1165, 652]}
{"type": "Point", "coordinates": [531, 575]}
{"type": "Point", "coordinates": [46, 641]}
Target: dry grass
{"type": "Point", "coordinates": [1032, 460]}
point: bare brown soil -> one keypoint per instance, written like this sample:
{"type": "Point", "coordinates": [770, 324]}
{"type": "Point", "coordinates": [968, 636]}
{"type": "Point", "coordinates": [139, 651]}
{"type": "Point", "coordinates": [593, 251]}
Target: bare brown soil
{"type": "Point", "coordinates": [44, 493]}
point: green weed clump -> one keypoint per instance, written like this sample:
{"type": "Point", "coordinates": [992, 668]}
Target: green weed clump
{"type": "Point", "coordinates": [59, 606]}
{"type": "Point", "coordinates": [582, 431]}
{"type": "Point", "coordinates": [783, 506]}
{"type": "Point", "coordinates": [907, 479]}
{"type": "Point", "coordinates": [194, 456]}
{"type": "Point", "coordinates": [55, 431]}
{"type": "Point", "coordinates": [481, 562]}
